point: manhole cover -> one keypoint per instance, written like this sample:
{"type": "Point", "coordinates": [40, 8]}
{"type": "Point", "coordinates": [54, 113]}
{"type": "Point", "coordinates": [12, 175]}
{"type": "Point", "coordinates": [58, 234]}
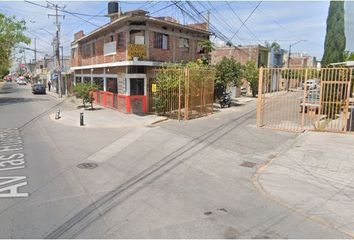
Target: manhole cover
{"type": "Point", "coordinates": [87, 165]}
{"type": "Point", "coordinates": [248, 164]}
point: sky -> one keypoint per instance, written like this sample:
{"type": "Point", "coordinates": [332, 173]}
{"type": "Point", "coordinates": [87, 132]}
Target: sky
{"type": "Point", "coordinates": [301, 24]}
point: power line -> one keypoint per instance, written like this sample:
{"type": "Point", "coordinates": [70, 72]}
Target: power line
{"type": "Point", "coordinates": [162, 8]}
{"type": "Point", "coordinates": [62, 10]}
{"type": "Point", "coordinates": [243, 23]}
{"type": "Point", "coordinates": [239, 18]}
{"type": "Point", "coordinates": [66, 33]}
{"type": "Point", "coordinates": [30, 49]}
{"type": "Point", "coordinates": [215, 30]}
{"type": "Point", "coordinates": [282, 26]}
{"type": "Point", "coordinates": [221, 20]}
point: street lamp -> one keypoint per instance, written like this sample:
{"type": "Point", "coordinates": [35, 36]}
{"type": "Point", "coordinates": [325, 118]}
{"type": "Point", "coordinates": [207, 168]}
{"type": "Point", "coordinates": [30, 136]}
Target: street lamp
{"type": "Point", "coordinates": [290, 49]}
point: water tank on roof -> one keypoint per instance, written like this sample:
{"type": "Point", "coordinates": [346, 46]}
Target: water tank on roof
{"type": "Point", "coordinates": [112, 7]}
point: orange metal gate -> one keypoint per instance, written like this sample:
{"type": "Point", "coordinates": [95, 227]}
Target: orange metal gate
{"type": "Point", "coordinates": [181, 93]}
{"type": "Point", "coordinates": [306, 99]}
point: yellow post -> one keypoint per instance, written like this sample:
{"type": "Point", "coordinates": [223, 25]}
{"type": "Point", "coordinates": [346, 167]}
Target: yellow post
{"type": "Point", "coordinates": [346, 111]}
{"type": "Point", "coordinates": [186, 94]}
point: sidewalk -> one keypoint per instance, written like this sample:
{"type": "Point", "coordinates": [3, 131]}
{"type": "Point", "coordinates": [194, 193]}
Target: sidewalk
{"type": "Point", "coordinates": [101, 117]}
{"type": "Point", "coordinates": [314, 177]}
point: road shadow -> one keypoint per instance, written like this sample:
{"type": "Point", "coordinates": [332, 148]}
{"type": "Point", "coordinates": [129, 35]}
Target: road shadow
{"type": "Point", "coordinates": [14, 100]}
{"type": "Point", "coordinates": [93, 109]}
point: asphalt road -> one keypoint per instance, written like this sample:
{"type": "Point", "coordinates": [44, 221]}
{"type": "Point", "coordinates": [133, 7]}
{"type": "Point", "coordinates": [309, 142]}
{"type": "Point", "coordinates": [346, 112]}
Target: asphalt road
{"type": "Point", "coordinates": [188, 179]}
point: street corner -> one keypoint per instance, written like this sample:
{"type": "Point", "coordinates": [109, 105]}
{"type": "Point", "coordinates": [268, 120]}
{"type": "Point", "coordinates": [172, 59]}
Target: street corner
{"type": "Point", "coordinates": [103, 118]}
{"type": "Point", "coordinates": [312, 177]}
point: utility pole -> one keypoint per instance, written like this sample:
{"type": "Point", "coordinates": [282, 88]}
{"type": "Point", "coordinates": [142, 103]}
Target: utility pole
{"type": "Point", "coordinates": [289, 55]}
{"type": "Point", "coordinates": [56, 44]}
{"type": "Point", "coordinates": [35, 57]}
{"type": "Point", "coordinates": [35, 51]}
{"type": "Point", "coordinates": [290, 50]}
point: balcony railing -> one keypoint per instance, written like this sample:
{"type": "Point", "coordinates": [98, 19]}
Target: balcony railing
{"type": "Point", "coordinates": [137, 50]}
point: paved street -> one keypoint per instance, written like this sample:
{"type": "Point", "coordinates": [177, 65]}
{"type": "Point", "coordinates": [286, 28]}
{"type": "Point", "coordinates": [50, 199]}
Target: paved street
{"type": "Point", "coordinates": [188, 179]}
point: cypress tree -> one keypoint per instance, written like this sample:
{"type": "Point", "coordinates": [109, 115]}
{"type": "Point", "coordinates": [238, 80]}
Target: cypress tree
{"type": "Point", "coordinates": [335, 37]}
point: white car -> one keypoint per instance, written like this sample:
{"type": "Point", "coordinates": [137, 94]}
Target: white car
{"type": "Point", "coordinates": [310, 84]}
{"type": "Point", "coordinates": [21, 82]}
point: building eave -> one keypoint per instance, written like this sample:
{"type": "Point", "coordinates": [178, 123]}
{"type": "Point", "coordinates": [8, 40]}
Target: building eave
{"type": "Point", "coordinates": [119, 64]}
{"type": "Point", "coordinates": [148, 18]}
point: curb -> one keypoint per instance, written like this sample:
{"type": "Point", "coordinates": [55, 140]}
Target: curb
{"type": "Point", "coordinates": [259, 187]}
{"type": "Point", "coordinates": [159, 121]}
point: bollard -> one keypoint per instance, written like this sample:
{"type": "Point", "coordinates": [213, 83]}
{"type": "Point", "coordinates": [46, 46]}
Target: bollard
{"type": "Point", "coordinates": [57, 115]}
{"type": "Point", "coordinates": [81, 119]}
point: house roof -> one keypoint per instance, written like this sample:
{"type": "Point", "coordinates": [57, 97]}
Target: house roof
{"type": "Point", "coordinates": [132, 16]}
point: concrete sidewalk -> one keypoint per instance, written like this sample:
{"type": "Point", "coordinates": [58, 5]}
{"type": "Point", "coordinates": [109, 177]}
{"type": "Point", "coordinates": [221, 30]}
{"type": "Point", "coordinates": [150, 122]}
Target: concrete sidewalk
{"type": "Point", "coordinates": [101, 117]}
{"type": "Point", "coordinates": [315, 177]}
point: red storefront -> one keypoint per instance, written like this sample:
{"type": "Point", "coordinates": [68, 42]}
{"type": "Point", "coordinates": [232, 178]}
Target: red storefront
{"type": "Point", "coordinates": [125, 92]}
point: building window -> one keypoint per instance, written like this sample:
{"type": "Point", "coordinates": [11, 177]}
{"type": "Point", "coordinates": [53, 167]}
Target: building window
{"type": "Point", "coordinates": [184, 43]}
{"type": "Point", "coordinates": [78, 79]}
{"type": "Point", "coordinates": [111, 38]}
{"type": "Point", "coordinates": [73, 50]}
{"type": "Point", "coordinates": [120, 42]}
{"type": "Point", "coordinates": [99, 82]}
{"type": "Point", "coordinates": [112, 85]}
{"type": "Point", "coordinates": [138, 23]}
{"type": "Point", "coordinates": [86, 50]}
{"type": "Point", "coordinates": [137, 37]}
{"type": "Point", "coordinates": [137, 86]}
{"type": "Point", "coordinates": [94, 49]}
{"type": "Point", "coordinates": [87, 79]}
{"type": "Point", "coordinates": [136, 69]}
{"type": "Point", "coordinates": [161, 41]}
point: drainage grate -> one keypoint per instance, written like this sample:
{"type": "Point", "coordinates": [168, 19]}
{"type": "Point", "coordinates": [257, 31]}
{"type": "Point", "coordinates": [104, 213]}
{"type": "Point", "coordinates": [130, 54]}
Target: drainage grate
{"type": "Point", "coordinates": [248, 164]}
{"type": "Point", "coordinates": [87, 165]}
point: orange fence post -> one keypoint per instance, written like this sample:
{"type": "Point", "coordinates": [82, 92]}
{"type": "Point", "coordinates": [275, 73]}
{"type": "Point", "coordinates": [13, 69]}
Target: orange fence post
{"type": "Point", "coordinates": [259, 100]}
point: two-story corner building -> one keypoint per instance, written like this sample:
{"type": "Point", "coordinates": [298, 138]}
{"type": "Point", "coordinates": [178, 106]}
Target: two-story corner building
{"type": "Point", "coordinates": [120, 55]}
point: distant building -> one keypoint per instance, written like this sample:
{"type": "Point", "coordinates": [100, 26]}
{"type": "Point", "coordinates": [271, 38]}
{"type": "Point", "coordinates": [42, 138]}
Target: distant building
{"type": "Point", "coordinates": [242, 54]}
{"type": "Point", "coordinates": [276, 58]}
{"type": "Point", "coordinates": [44, 70]}
{"type": "Point", "coordinates": [300, 60]}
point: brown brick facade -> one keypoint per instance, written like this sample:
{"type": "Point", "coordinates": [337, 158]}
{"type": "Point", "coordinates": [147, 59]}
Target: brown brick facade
{"type": "Point", "coordinates": [240, 55]}
{"type": "Point", "coordinates": [174, 53]}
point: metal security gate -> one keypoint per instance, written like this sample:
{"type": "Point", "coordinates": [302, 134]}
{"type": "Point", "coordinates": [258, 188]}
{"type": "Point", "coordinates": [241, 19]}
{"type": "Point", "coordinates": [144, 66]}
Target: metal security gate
{"type": "Point", "coordinates": [306, 99]}
{"type": "Point", "coordinates": [181, 93]}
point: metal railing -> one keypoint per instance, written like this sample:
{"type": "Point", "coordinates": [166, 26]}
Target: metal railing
{"type": "Point", "coordinates": [306, 99]}
{"type": "Point", "coordinates": [181, 93]}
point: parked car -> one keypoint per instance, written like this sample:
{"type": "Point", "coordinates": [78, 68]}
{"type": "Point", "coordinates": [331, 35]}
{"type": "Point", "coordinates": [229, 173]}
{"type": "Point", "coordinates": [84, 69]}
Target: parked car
{"type": "Point", "coordinates": [38, 88]}
{"type": "Point", "coordinates": [21, 82]}
{"type": "Point", "coordinates": [312, 101]}
{"type": "Point", "coordinates": [310, 84]}
{"type": "Point", "coordinates": [243, 91]}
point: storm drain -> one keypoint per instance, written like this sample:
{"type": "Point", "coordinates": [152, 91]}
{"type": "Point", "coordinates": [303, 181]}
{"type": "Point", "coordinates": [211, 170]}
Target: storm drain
{"type": "Point", "coordinates": [87, 165]}
{"type": "Point", "coordinates": [248, 164]}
